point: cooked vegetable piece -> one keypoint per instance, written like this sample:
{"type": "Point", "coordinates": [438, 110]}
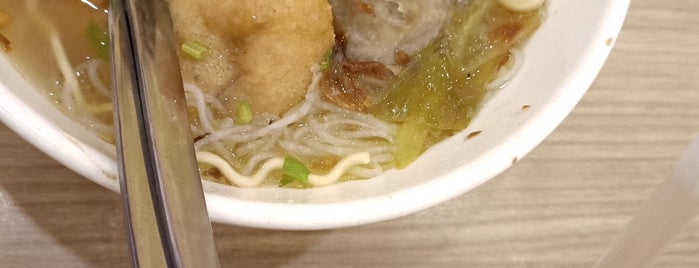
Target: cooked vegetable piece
{"type": "Point", "coordinates": [327, 61]}
{"type": "Point", "coordinates": [440, 90]}
{"type": "Point", "coordinates": [194, 49]}
{"type": "Point", "coordinates": [244, 113]}
{"type": "Point", "coordinates": [294, 170]}
{"type": "Point", "coordinates": [406, 152]}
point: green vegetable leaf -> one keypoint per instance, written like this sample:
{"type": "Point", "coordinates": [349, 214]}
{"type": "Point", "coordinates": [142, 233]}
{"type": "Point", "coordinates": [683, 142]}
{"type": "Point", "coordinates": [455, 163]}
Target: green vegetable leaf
{"type": "Point", "coordinates": [294, 171]}
{"type": "Point", "coordinates": [440, 90]}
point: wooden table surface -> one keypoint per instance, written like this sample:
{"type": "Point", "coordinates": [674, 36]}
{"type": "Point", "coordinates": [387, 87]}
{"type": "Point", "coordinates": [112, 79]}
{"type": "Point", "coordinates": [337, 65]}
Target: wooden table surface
{"type": "Point", "coordinates": [558, 207]}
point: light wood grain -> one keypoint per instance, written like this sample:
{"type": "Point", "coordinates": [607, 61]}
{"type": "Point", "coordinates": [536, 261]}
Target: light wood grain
{"type": "Point", "coordinates": [558, 207]}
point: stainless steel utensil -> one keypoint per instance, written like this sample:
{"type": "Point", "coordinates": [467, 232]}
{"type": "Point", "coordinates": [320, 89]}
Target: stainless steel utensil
{"type": "Point", "coordinates": [162, 194]}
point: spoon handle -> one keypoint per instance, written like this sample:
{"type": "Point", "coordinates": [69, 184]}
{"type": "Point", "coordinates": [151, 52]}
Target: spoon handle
{"type": "Point", "coordinates": [661, 219]}
{"type": "Point", "coordinates": [161, 190]}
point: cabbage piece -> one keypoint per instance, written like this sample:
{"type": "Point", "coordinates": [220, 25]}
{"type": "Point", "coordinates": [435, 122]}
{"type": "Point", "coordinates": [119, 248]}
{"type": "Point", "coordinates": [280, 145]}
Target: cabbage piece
{"type": "Point", "coordinates": [440, 90]}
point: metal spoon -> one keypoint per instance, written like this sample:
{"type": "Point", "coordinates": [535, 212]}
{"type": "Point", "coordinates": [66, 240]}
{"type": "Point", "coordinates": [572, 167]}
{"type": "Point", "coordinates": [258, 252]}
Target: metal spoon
{"type": "Point", "coordinates": [661, 219]}
{"type": "Point", "coordinates": [161, 190]}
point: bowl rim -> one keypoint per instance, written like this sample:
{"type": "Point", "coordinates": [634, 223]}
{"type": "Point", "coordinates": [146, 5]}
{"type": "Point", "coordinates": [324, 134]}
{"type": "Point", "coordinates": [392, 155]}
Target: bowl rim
{"type": "Point", "coordinates": [61, 146]}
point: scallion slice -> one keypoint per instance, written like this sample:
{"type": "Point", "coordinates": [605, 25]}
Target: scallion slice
{"type": "Point", "coordinates": [327, 61]}
{"type": "Point", "coordinates": [244, 113]}
{"type": "Point", "coordinates": [294, 170]}
{"type": "Point", "coordinates": [194, 49]}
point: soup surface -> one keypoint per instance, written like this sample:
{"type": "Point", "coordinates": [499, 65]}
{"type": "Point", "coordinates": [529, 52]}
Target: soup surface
{"type": "Point", "coordinates": [281, 97]}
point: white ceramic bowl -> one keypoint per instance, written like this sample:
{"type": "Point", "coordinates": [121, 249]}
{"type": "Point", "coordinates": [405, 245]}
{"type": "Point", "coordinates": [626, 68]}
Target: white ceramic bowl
{"type": "Point", "coordinates": [561, 61]}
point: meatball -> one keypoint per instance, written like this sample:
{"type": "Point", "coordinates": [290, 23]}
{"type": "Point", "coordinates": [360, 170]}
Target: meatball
{"type": "Point", "coordinates": [387, 30]}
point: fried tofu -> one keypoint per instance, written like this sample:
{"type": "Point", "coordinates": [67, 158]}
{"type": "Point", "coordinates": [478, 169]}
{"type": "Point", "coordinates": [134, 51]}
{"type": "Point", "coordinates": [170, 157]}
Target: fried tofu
{"type": "Point", "coordinates": [272, 46]}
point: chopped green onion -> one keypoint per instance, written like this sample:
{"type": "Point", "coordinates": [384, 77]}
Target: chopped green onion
{"type": "Point", "coordinates": [244, 113]}
{"type": "Point", "coordinates": [99, 39]}
{"type": "Point", "coordinates": [294, 170]}
{"type": "Point", "coordinates": [327, 60]}
{"type": "Point", "coordinates": [194, 49]}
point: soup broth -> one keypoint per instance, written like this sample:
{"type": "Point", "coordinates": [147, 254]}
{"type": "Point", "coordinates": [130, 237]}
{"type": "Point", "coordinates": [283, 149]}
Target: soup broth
{"type": "Point", "coordinates": [280, 98]}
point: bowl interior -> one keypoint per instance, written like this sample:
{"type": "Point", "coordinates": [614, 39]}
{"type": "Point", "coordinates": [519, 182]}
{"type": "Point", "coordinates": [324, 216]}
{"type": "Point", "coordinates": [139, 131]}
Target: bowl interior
{"type": "Point", "coordinates": [561, 61]}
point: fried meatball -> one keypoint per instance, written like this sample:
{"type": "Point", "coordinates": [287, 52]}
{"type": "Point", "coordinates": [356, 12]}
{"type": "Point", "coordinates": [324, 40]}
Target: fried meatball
{"type": "Point", "coordinates": [217, 70]}
{"type": "Point", "coordinates": [277, 41]}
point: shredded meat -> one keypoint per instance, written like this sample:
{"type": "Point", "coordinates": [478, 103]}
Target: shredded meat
{"type": "Point", "coordinates": [354, 84]}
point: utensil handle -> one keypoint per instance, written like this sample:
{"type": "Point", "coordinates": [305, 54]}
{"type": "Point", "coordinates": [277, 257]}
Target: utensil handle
{"type": "Point", "coordinates": [161, 188]}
